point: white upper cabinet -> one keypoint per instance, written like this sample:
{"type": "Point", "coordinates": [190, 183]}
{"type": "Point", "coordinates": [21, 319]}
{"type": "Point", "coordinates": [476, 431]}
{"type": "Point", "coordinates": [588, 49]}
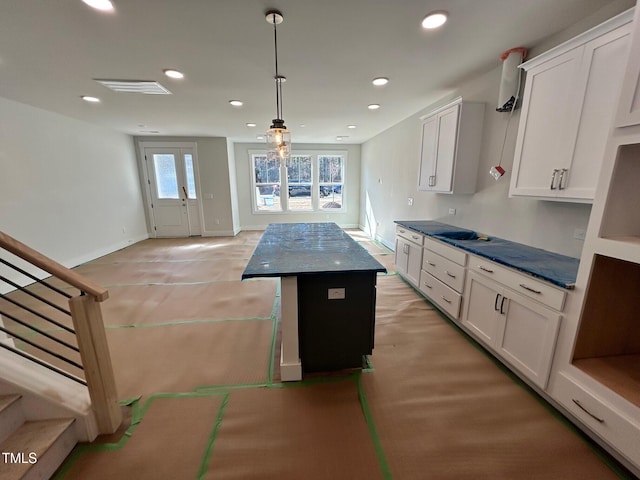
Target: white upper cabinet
{"type": "Point", "coordinates": [629, 108]}
{"type": "Point", "coordinates": [450, 149]}
{"type": "Point", "coordinates": [568, 106]}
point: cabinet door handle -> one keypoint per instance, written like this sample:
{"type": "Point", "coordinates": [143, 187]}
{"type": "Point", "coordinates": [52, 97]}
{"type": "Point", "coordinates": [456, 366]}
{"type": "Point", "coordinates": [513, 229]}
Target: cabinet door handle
{"type": "Point", "coordinates": [553, 179]}
{"type": "Point", "coordinates": [581, 407]}
{"type": "Point", "coordinates": [431, 263]}
{"type": "Point", "coordinates": [530, 289]}
{"type": "Point", "coordinates": [484, 269]}
{"type": "Point", "coordinates": [495, 303]}
{"type": "Point", "coordinates": [415, 238]}
{"type": "Point", "coordinates": [432, 181]}
{"type": "Point", "coordinates": [427, 285]}
{"type": "Point", "coordinates": [445, 299]}
{"type": "Point", "coordinates": [561, 181]}
{"type": "Point", "coordinates": [402, 231]}
{"type": "Point", "coordinates": [450, 274]}
{"type": "Point", "coordinates": [502, 305]}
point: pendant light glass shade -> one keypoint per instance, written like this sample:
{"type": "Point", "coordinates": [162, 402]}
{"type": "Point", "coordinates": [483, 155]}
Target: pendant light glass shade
{"type": "Point", "coordinates": [279, 140]}
{"type": "Point", "coordinates": [278, 137]}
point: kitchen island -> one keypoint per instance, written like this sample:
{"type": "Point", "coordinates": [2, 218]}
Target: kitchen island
{"type": "Point", "coordinates": [328, 294]}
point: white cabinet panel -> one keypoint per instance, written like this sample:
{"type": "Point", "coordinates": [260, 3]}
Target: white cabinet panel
{"type": "Point", "coordinates": [408, 255]}
{"type": "Point", "coordinates": [546, 126]}
{"type": "Point", "coordinates": [629, 107]}
{"type": "Point", "coordinates": [450, 148]}
{"type": "Point", "coordinates": [568, 106]}
{"type": "Point", "coordinates": [528, 336]}
{"type": "Point", "coordinates": [481, 308]}
{"type": "Point", "coordinates": [519, 330]}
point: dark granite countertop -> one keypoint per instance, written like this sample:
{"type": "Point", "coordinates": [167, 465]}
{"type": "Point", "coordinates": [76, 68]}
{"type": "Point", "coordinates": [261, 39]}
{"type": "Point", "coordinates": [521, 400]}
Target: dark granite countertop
{"type": "Point", "coordinates": [560, 270]}
{"type": "Point", "coordinates": [288, 249]}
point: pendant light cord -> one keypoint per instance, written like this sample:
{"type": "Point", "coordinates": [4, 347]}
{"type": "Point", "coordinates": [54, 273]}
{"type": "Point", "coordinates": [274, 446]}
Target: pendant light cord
{"type": "Point", "coordinates": [278, 79]}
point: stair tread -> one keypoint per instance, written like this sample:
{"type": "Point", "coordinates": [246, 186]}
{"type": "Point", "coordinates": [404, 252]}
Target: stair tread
{"type": "Point", "coordinates": [7, 400]}
{"type": "Point", "coordinates": [36, 435]}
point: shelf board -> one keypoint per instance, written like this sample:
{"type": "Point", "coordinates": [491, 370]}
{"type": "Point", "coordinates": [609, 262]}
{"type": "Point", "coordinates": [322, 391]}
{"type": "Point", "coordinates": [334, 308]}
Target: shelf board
{"type": "Point", "coordinates": [619, 373]}
{"type": "Point", "coordinates": [631, 239]}
{"type": "Point", "coordinates": [624, 247]}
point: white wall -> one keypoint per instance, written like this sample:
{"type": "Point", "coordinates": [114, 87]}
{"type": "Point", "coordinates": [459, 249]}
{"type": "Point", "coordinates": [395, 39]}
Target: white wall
{"type": "Point", "coordinates": [390, 164]}
{"type": "Point", "coordinates": [258, 221]}
{"type": "Point", "coordinates": [67, 188]}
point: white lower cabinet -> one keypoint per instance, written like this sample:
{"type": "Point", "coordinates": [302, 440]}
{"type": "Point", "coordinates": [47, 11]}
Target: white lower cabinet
{"type": "Point", "coordinates": [599, 414]}
{"type": "Point", "coordinates": [445, 297]}
{"type": "Point", "coordinates": [442, 275]}
{"type": "Point", "coordinates": [408, 257]}
{"type": "Point", "coordinates": [520, 330]}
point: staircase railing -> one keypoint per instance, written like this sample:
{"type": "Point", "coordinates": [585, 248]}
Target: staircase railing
{"type": "Point", "coordinates": [58, 324]}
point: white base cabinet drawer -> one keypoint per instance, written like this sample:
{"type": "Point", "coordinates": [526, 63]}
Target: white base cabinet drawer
{"type": "Point", "coordinates": [452, 253]}
{"type": "Point", "coordinates": [410, 235]}
{"type": "Point", "coordinates": [446, 298]}
{"type": "Point", "coordinates": [522, 283]}
{"type": "Point", "coordinates": [604, 420]}
{"type": "Point", "coordinates": [448, 272]}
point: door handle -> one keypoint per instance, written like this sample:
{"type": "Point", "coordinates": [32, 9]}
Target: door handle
{"type": "Point", "coordinates": [495, 303]}
{"type": "Point", "coordinates": [561, 181]}
{"type": "Point", "coordinates": [553, 179]}
{"type": "Point", "coordinates": [186, 195]}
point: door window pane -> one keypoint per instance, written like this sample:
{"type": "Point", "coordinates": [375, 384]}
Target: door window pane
{"type": "Point", "coordinates": [191, 178]}
{"type": "Point", "coordinates": [331, 175]}
{"type": "Point", "coordinates": [166, 178]}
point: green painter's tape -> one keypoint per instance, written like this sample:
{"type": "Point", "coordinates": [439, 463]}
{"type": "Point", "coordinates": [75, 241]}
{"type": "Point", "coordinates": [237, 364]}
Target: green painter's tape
{"type": "Point", "coordinates": [136, 417]}
{"type": "Point", "coordinates": [204, 465]}
{"type": "Point", "coordinates": [377, 444]}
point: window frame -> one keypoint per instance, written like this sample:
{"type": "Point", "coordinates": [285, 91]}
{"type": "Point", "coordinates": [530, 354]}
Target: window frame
{"type": "Point", "coordinates": [316, 206]}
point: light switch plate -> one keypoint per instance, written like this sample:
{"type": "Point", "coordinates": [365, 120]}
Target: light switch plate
{"type": "Point", "coordinates": [336, 294]}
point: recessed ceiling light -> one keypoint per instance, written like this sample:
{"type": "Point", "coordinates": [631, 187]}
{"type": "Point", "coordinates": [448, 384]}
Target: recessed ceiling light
{"type": "Point", "coordinates": [104, 5]}
{"type": "Point", "coordinates": [88, 98]}
{"type": "Point", "coordinates": [434, 19]}
{"type": "Point", "coordinates": [251, 124]}
{"type": "Point", "coordinates": [380, 81]}
{"type": "Point", "coordinates": [302, 125]}
{"type": "Point", "coordinates": [351, 126]}
{"type": "Point", "coordinates": [339, 139]}
{"type": "Point", "coordinates": [373, 106]}
{"type": "Point", "coordinates": [235, 103]}
{"type": "Point", "coordinates": [171, 73]}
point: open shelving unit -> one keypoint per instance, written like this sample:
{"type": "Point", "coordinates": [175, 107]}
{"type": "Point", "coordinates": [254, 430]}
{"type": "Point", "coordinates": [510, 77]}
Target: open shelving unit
{"type": "Point", "coordinates": [607, 346]}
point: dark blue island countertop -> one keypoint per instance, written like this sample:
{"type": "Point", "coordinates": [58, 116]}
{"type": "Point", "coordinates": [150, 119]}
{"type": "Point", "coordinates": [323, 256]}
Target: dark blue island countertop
{"type": "Point", "coordinates": [288, 249]}
{"type": "Point", "coordinates": [560, 270]}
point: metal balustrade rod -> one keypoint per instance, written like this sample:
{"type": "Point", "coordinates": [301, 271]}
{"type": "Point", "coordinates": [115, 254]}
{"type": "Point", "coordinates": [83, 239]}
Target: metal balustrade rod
{"type": "Point", "coordinates": [38, 314]}
{"type": "Point", "coordinates": [36, 279]}
{"type": "Point", "coordinates": [41, 332]}
{"type": "Point", "coordinates": [31, 358]}
{"type": "Point", "coordinates": [41, 348]}
{"type": "Point", "coordinates": [34, 295]}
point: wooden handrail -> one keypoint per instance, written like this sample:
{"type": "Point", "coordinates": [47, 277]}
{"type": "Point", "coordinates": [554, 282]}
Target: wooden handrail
{"type": "Point", "coordinates": [52, 267]}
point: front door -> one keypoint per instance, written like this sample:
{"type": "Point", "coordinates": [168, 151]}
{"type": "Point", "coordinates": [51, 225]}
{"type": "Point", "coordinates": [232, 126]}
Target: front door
{"type": "Point", "coordinates": [172, 181]}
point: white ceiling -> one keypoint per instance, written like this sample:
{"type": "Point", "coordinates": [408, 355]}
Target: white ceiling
{"type": "Point", "coordinates": [52, 50]}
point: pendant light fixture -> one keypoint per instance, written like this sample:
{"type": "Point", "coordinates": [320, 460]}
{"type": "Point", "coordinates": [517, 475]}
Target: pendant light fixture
{"type": "Point", "coordinates": [278, 137]}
